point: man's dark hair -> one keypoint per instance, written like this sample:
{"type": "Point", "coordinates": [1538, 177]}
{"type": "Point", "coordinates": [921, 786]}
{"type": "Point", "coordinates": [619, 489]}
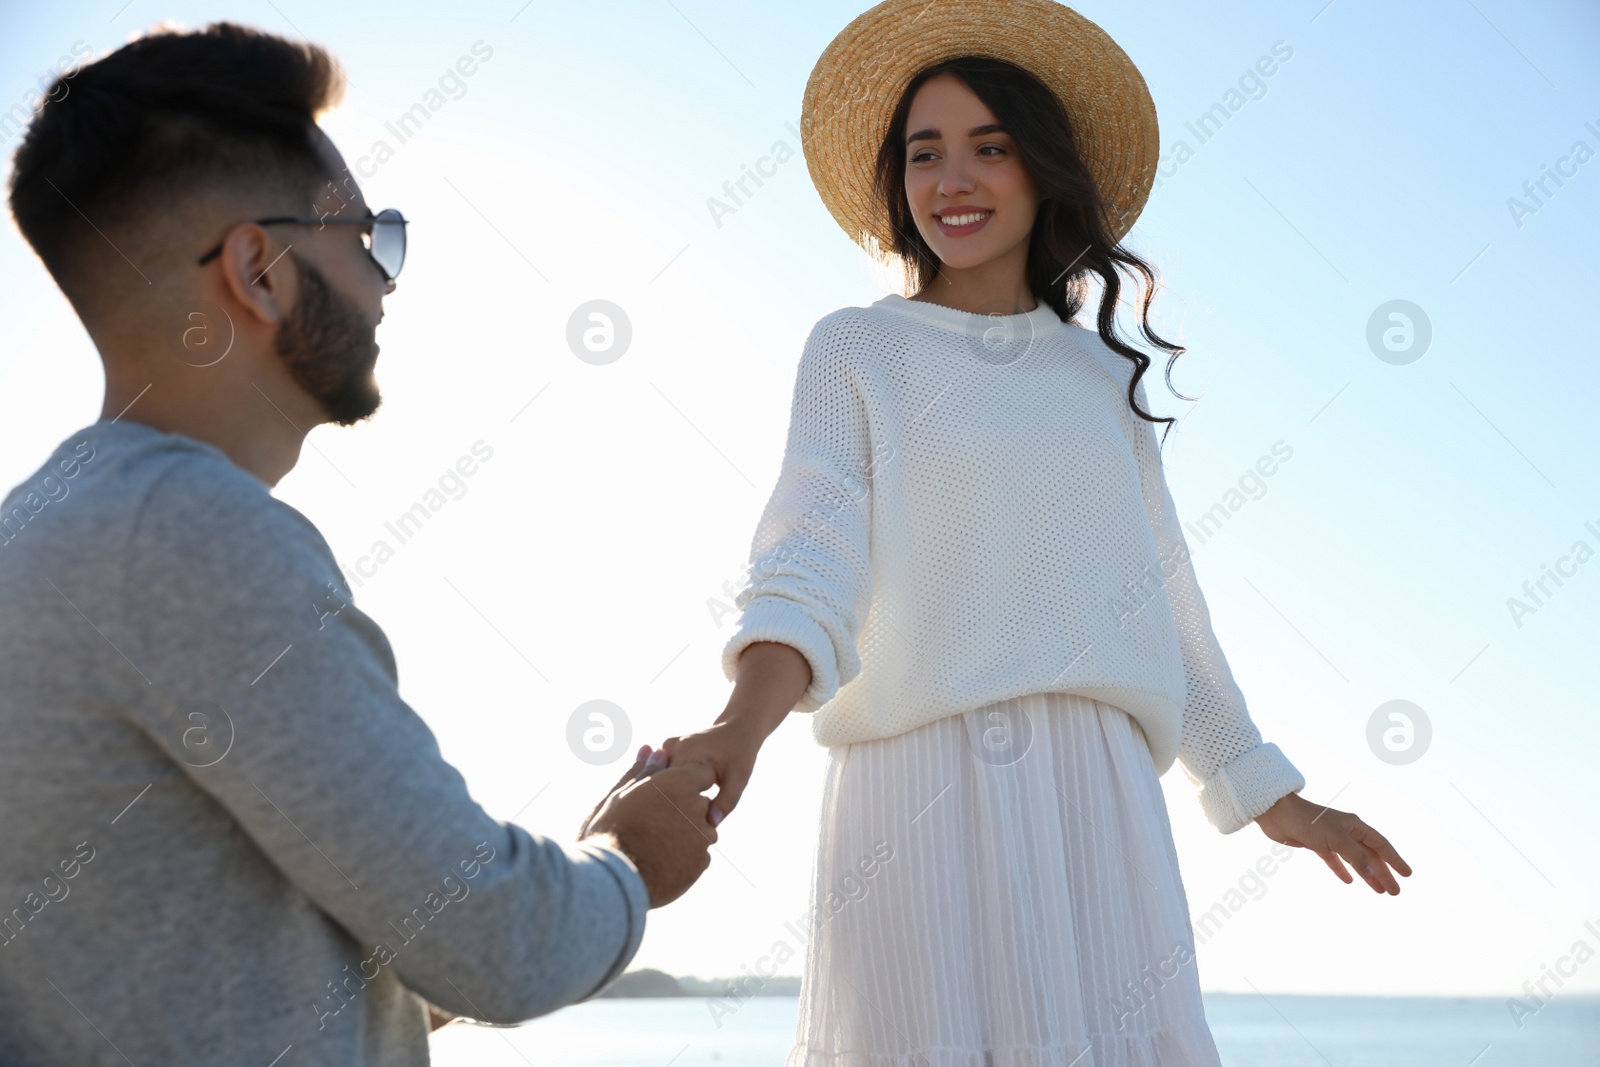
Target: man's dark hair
{"type": "Point", "coordinates": [160, 120]}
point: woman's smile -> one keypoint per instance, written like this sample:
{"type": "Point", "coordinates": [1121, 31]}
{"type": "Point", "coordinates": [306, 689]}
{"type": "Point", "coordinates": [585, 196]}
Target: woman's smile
{"type": "Point", "coordinates": [963, 219]}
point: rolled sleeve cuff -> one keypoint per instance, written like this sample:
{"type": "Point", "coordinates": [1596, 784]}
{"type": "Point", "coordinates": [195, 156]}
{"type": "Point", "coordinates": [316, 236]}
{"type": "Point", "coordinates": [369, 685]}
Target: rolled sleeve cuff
{"type": "Point", "coordinates": [1248, 785]}
{"type": "Point", "coordinates": [777, 619]}
{"type": "Point", "coordinates": [636, 902]}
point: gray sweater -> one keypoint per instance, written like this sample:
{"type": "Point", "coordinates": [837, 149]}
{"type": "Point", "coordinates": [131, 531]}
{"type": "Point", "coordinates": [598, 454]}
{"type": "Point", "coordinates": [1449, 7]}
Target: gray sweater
{"type": "Point", "coordinates": [224, 837]}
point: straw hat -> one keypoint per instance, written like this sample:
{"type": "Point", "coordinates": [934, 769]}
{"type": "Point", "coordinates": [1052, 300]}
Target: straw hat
{"type": "Point", "coordinates": [859, 78]}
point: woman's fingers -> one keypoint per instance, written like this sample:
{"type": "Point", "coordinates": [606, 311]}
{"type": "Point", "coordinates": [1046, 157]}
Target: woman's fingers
{"type": "Point", "coordinates": [1335, 866]}
{"type": "Point", "coordinates": [1342, 839]}
{"type": "Point", "coordinates": [1383, 879]}
{"type": "Point", "coordinates": [1366, 863]}
{"type": "Point", "coordinates": [1376, 856]}
{"type": "Point", "coordinates": [1360, 861]}
{"type": "Point", "coordinates": [730, 785]}
{"type": "Point", "coordinates": [674, 752]}
{"type": "Point", "coordinates": [732, 788]}
{"type": "Point", "coordinates": [727, 752]}
{"type": "Point", "coordinates": [1380, 869]}
{"type": "Point", "coordinates": [1380, 844]}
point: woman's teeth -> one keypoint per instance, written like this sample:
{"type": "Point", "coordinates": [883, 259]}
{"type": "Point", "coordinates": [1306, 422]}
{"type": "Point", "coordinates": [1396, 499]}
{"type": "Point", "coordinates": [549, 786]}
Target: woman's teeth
{"type": "Point", "coordinates": [964, 220]}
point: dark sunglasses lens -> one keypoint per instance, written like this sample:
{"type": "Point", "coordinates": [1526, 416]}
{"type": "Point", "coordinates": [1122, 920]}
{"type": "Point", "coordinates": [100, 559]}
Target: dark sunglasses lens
{"type": "Point", "coordinates": [389, 241]}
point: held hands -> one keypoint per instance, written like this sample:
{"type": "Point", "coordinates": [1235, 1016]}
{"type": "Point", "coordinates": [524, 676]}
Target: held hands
{"type": "Point", "coordinates": [769, 682]}
{"type": "Point", "coordinates": [656, 817]}
{"type": "Point", "coordinates": [655, 814]}
{"type": "Point", "coordinates": [729, 749]}
{"type": "Point", "coordinates": [1331, 834]}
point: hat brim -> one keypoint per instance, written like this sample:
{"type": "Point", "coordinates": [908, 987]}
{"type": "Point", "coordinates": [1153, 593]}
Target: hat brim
{"type": "Point", "coordinates": [858, 80]}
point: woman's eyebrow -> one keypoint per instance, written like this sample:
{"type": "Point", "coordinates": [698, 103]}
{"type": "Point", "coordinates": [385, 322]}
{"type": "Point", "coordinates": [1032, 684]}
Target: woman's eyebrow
{"type": "Point", "coordinates": [931, 134]}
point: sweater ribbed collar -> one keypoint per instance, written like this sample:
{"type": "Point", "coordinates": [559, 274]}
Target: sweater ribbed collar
{"type": "Point", "coordinates": [1035, 323]}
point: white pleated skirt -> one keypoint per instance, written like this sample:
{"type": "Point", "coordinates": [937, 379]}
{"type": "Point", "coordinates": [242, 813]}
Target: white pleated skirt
{"type": "Point", "coordinates": [999, 888]}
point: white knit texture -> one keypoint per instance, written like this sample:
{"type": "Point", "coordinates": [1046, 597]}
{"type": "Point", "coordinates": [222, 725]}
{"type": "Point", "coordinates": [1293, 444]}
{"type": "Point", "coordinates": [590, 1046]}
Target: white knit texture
{"type": "Point", "coordinates": [969, 512]}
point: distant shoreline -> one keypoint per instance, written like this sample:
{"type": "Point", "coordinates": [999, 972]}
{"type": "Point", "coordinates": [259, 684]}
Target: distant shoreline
{"type": "Point", "coordinates": [648, 983]}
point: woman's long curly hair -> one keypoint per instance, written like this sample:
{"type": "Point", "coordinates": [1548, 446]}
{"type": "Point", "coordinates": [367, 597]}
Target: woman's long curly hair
{"type": "Point", "coordinates": [1070, 237]}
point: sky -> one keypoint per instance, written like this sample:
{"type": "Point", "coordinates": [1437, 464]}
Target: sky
{"type": "Point", "coordinates": [1436, 461]}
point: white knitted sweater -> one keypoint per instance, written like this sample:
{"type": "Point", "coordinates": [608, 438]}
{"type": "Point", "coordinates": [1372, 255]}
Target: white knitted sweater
{"type": "Point", "coordinates": [967, 512]}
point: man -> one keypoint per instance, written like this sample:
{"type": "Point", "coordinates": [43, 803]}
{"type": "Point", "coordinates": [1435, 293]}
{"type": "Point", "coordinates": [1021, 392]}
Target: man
{"type": "Point", "coordinates": [225, 838]}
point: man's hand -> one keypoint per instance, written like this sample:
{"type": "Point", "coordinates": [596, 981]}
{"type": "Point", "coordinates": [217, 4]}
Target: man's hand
{"type": "Point", "coordinates": [657, 818]}
{"type": "Point", "coordinates": [729, 748]}
{"type": "Point", "coordinates": [1296, 821]}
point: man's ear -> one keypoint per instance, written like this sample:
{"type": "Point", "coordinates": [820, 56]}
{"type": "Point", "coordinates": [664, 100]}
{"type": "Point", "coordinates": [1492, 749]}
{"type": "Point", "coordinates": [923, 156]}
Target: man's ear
{"type": "Point", "coordinates": [259, 273]}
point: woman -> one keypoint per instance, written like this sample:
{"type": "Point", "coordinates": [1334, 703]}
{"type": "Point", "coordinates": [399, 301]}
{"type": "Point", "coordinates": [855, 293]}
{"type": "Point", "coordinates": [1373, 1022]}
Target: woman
{"type": "Point", "coordinates": [971, 571]}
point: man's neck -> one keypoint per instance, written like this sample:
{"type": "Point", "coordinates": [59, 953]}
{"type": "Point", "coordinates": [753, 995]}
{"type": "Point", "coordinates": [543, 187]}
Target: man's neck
{"type": "Point", "coordinates": [258, 425]}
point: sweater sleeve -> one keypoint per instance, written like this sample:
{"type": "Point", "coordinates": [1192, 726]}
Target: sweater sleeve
{"type": "Point", "coordinates": [234, 605]}
{"type": "Point", "coordinates": [809, 583]}
{"type": "Point", "coordinates": [1221, 749]}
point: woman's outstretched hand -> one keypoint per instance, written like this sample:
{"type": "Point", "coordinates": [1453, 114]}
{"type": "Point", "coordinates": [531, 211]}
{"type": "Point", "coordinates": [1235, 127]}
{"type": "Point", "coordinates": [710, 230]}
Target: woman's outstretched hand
{"type": "Point", "coordinates": [1331, 834]}
{"type": "Point", "coordinates": [729, 748]}
{"type": "Point", "coordinates": [768, 682]}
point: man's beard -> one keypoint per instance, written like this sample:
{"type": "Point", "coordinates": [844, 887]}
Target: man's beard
{"type": "Point", "coordinates": [329, 349]}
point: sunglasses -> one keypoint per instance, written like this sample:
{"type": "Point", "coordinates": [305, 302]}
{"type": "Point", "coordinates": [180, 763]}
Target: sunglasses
{"type": "Point", "coordinates": [384, 235]}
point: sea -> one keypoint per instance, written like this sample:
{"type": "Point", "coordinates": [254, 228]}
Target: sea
{"type": "Point", "coordinates": [1250, 1030]}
